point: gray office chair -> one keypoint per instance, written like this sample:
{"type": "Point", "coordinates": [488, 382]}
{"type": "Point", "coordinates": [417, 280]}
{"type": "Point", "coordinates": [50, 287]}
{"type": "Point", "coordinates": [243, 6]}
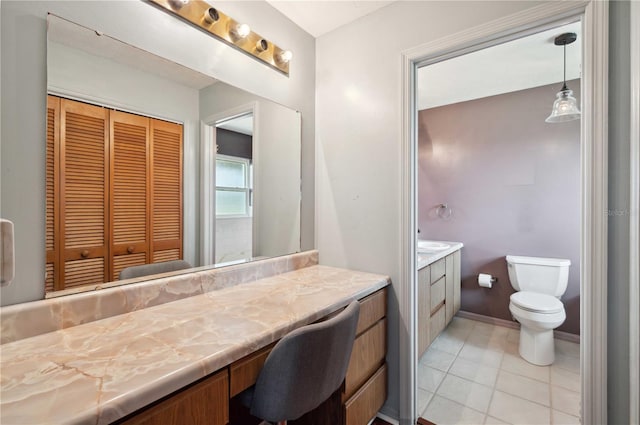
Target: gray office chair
{"type": "Point", "coordinates": [304, 368]}
{"type": "Point", "coordinates": [154, 268]}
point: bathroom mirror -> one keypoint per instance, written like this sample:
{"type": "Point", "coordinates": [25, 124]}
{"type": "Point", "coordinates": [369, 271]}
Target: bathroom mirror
{"type": "Point", "coordinates": [181, 166]}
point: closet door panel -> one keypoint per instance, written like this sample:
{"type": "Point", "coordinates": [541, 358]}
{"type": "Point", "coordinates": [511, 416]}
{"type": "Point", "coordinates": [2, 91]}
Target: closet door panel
{"type": "Point", "coordinates": [166, 186]}
{"type": "Point", "coordinates": [130, 207]}
{"type": "Point", "coordinates": [84, 160]}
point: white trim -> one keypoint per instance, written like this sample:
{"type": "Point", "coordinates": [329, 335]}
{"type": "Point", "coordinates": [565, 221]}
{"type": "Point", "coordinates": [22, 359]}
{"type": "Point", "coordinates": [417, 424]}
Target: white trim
{"type": "Point", "coordinates": [207, 194]}
{"type": "Point", "coordinates": [407, 293]}
{"type": "Point", "coordinates": [594, 195]}
{"type": "Point", "coordinates": [634, 217]}
{"type": "Point", "coordinates": [208, 176]}
{"type": "Point", "coordinates": [593, 246]}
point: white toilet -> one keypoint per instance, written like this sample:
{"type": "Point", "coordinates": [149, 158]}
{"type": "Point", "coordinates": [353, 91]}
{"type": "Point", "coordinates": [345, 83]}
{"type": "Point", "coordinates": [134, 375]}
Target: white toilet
{"type": "Point", "coordinates": [540, 283]}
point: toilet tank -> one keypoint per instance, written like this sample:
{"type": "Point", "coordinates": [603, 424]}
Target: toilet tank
{"type": "Point", "coordinates": [536, 274]}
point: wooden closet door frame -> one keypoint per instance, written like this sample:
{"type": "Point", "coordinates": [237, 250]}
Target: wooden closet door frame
{"type": "Point", "coordinates": [56, 256]}
{"type": "Point", "coordinates": [98, 112]}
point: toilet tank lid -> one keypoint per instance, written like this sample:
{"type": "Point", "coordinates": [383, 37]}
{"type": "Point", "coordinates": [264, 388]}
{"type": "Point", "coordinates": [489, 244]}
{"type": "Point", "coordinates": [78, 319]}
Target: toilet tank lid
{"type": "Point", "coordinates": [538, 261]}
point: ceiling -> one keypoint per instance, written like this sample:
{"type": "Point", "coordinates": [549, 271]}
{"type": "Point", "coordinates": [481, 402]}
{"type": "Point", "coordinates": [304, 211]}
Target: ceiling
{"type": "Point", "coordinates": [242, 124]}
{"type": "Point", "coordinates": [524, 63]}
{"type": "Point", "coordinates": [320, 17]}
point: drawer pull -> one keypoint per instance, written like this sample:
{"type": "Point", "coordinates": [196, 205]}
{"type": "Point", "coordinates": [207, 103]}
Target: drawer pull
{"type": "Point", "coordinates": [130, 249]}
{"type": "Point", "coordinates": [85, 253]}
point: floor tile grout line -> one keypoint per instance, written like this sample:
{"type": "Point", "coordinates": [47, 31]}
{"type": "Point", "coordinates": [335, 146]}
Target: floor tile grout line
{"type": "Point", "coordinates": [500, 368]}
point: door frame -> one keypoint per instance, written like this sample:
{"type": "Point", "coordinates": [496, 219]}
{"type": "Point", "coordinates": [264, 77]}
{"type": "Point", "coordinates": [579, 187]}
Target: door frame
{"type": "Point", "coordinates": [634, 216]}
{"type": "Point", "coordinates": [593, 245]}
{"type": "Point", "coordinates": [208, 176]}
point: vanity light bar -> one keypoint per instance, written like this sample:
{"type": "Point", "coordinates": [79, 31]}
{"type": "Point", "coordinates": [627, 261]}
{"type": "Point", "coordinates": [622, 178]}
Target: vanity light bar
{"type": "Point", "coordinates": [204, 16]}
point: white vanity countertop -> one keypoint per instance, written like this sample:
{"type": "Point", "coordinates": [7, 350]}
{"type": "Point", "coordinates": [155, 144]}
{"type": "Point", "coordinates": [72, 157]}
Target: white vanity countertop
{"type": "Point", "coordinates": [425, 259]}
{"type": "Point", "coordinates": [100, 371]}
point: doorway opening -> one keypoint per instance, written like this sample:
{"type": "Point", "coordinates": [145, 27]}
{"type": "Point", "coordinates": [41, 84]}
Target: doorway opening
{"type": "Point", "coordinates": [234, 190]}
{"type": "Point", "coordinates": [593, 184]}
{"type": "Point", "coordinates": [499, 180]}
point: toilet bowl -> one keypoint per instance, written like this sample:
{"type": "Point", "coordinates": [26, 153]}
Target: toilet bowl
{"type": "Point", "coordinates": [539, 283]}
{"type": "Point", "coordinates": [538, 315]}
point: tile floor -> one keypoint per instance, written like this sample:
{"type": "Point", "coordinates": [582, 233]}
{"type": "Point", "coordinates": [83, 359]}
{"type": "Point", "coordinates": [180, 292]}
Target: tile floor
{"type": "Point", "coordinates": [472, 374]}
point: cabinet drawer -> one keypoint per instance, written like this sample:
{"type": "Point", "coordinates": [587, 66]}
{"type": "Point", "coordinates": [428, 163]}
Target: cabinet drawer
{"type": "Point", "coordinates": [437, 270]}
{"type": "Point", "coordinates": [244, 372]}
{"type": "Point", "coordinates": [372, 309]}
{"type": "Point", "coordinates": [438, 320]}
{"type": "Point", "coordinates": [206, 402]}
{"type": "Point", "coordinates": [424, 276]}
{"type": "Point", "coordinates": [364, 404]}
{"type": "Point", "coordinates": [368, 354]}
{"type": "Point", "coordinates": [438, 291]}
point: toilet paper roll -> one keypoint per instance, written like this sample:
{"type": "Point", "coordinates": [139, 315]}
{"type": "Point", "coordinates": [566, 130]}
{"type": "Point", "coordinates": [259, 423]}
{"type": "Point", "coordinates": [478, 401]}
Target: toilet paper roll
{"type": "Point", "coordinates": [485, 280]}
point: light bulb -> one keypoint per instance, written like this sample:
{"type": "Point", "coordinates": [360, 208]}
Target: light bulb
{"type": "Point", "coordinates": [241, 30]}
{"type": "Point", "coordinates": [177, 4]}
{"type": "Point", "coordinates": [285, 56]}
{"type": "Point", "coordinates": [565, 108]}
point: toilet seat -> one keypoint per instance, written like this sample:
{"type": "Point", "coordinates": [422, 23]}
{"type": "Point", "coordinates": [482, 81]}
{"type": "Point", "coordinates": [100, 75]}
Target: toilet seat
{"type": "Point", "coordinates": [537, 303]}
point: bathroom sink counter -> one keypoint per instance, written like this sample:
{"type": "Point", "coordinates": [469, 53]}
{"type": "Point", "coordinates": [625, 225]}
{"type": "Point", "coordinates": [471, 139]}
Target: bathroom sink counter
{"type": "Point", "coordinates": [425, 259]}
{"type": "Point", "coordinates": [100, 371]}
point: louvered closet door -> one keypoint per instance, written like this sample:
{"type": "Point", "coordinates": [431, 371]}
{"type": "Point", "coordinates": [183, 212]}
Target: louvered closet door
{"type": "Point", "coordinates": [84, 193]}
{"type": "Point", "coordinates": [130, 207]}
{"type": "Point", "coordinates": [52, 278]}
{"type": "Point", "coordinates": [166, 224]}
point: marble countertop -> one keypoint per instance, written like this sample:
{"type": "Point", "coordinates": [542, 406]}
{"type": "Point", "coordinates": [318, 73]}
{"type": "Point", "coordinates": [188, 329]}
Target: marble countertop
{"type": "Point", "coordinates": [100, 371]}
{"type": "Point", "coordinates": [425, 259]}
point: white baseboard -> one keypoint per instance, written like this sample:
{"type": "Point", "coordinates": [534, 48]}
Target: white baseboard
{"type": "Point", "coordinates": [388, 419]}
{"type": "Point", "coordinates": [513, 325]}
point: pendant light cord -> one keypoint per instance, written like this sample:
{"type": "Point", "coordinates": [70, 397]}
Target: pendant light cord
{"type": "Point", "coordinates": [564, 75]}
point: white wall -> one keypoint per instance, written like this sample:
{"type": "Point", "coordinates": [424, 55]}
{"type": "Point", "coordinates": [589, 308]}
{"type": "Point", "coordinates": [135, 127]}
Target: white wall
{"type": "Point", "coordinates": [78, 74]}
{"type": "Point", "coordinates": [233, 239]}
{"type": "Point", "coordinates": [23, 103]}
{"type": "Point", "coordinates": [358, 138]}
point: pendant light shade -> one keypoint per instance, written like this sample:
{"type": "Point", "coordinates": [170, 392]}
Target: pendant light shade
{"type": "Point", "coordinates": [565, 107]}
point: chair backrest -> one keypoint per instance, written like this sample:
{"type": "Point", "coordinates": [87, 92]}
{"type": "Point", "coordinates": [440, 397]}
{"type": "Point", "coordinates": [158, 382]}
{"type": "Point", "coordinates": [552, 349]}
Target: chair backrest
{"type": "Point", "coordinates": [155, 268]}
{"type": "Point", "coordinates": [305, 367]}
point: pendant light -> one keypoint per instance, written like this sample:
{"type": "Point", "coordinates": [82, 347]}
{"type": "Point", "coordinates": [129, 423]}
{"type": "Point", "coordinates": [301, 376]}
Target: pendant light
{"type": "Point", "coordinates": [565, 107]}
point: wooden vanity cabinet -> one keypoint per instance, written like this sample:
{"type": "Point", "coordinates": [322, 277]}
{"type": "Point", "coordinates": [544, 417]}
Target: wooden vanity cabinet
{"type": "Point", "coordinates": [205, 402]}
{"type": "Point", "coordinates": [356, 403]}
{"type": "Point", "coordinates": [365, 385]}
{"type": "Point", "coordinates": [438, 298]}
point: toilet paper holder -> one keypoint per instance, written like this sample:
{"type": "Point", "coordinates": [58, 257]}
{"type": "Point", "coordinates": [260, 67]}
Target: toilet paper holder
{"type": "Point", "coordinates": [486, 280]}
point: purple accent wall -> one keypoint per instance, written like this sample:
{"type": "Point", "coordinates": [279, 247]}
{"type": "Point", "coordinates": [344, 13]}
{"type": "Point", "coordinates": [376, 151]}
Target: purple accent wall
{"type": "Point", "coordinates": [513, 184]}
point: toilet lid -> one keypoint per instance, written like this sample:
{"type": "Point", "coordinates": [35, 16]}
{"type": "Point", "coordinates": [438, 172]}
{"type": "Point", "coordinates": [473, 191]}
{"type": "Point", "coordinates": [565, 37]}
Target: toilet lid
{"type": "Point", "coordinates": [539, 303]}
